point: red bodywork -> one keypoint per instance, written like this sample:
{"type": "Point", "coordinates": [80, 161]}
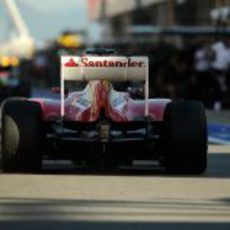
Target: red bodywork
{"type": "Point", "coordinates": [98, 96]}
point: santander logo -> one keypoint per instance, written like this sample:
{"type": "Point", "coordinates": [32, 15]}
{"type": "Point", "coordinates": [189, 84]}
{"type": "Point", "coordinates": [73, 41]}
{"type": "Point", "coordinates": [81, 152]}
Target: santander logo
{"type": "Point", "coordinates": [86, 62]}
{"type": "Point", "coordinates": [71, 63]}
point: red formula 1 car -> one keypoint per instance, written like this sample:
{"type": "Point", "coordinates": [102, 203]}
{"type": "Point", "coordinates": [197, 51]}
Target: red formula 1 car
{"type": "Point", "coordinates": [102, 127]}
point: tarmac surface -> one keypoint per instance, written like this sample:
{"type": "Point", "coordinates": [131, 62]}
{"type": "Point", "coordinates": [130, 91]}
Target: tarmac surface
{"type": "Point", "coordinates": [61, 197]}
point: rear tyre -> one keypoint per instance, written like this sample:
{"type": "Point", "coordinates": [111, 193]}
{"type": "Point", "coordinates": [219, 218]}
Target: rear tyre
{"type": "Point", "coordinates": [185, 138]}
{"type": "Point", "coordinates": [22, 135]}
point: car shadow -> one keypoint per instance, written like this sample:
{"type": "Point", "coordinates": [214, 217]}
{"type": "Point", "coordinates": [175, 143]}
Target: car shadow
{"type": "Point", "coordinates": [218, 167]}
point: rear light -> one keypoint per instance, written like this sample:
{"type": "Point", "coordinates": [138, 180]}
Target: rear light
{"type": "Point", "coordinates": [103, 129]}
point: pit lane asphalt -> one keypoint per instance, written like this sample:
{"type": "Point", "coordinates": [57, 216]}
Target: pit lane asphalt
{"type": "Point", "coordinates": [61, 197]}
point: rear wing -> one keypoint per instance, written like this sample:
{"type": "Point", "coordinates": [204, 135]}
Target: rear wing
{"type": "Point", "coordinates": [113, 68]}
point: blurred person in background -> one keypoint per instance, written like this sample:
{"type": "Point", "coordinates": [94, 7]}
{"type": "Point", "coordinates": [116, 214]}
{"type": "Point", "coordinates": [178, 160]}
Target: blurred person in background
{"type": "Point", "coordinates": [220, 66]}
{"type": "Point", "coordinates": [205, 85]}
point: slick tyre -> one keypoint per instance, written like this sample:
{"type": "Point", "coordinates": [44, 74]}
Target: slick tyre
{"type": "Point", "coordinates": [22, 135]}
{"type": "Point", "coordinates": [185, 138]}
